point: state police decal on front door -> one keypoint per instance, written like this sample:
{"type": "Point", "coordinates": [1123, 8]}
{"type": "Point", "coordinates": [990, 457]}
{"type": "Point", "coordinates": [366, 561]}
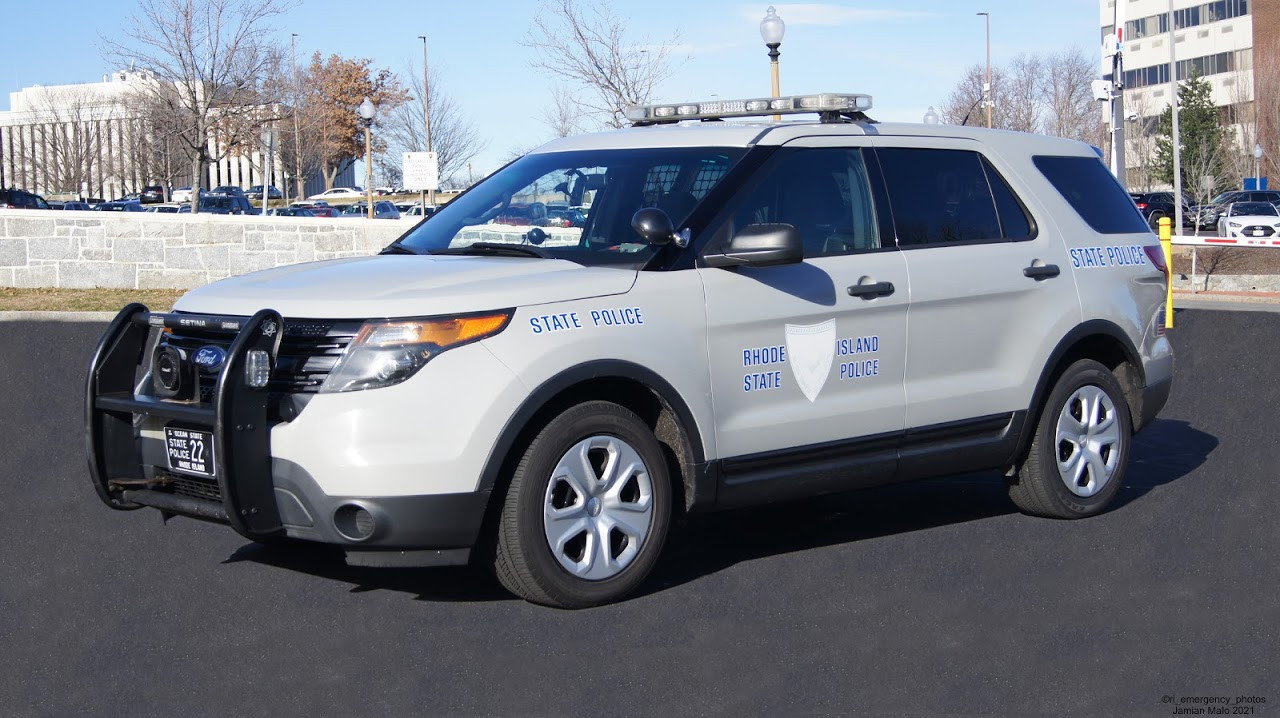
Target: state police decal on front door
{"type": "Point", "coordinates": [810, 351]}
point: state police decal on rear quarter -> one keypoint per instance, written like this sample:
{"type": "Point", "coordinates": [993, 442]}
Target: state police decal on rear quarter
{"type": "Point", "coordinates": [209, 357]}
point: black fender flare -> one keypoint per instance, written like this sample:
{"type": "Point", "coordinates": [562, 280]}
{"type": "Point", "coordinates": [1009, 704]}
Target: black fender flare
{"type": "Point", "coordinates": [599, 369]}
{"type": "Point", "coordinates": [1081, 331]}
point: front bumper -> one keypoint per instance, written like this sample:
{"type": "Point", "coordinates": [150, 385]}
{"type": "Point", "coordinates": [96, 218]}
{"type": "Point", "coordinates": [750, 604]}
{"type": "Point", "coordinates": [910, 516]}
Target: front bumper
{"type": "Point", "coordinates": [259, 496]}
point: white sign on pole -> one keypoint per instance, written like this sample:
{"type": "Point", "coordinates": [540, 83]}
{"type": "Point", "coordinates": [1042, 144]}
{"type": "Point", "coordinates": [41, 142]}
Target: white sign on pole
{"type": "Point", "coordinates": [421, 171]}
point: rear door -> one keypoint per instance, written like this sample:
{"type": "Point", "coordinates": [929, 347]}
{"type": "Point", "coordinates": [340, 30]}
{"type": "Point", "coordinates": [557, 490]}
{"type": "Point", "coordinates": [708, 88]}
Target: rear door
{"type": "Point", "coordinates": [991, 288]}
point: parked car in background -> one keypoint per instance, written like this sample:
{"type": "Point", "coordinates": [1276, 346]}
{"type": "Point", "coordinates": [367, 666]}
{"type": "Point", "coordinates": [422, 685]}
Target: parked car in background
{"type": "Point", "coordinates": [73, 204]}
{"type": "Point", "coordinates": [382, 209]}
{"type": "Point", "coordinates": [533, 214]}
{"type": "Point", "coordinates": [566, 218]}
{"type": "Point", "coordinates": [340, 193]}
{"type": "Point", "coordinates": [414, 209]}
{"type": "Point", "coordinates": [324, 210]}
{"type": "Point", "coordinates": [291, 212]}
{"type": "Point", "coordinates": [167, 208]}
{"type": "Point", "coordinates": [182, 194]}
{"type": "Point", "coordinates": [273, 192]}
{"type": "Point", "coordinates": [226, 204]}
{"type": "Point", "coordinates": [119, 205]}
{"type": "Point", "coordinates": [1155, 205]}
{"type": "Point", "coordinates": [1249, 219]}
{"type": "Point", "coordinates": [151, 194]}
{"type": "Point", "coordinates": [1209, 214]}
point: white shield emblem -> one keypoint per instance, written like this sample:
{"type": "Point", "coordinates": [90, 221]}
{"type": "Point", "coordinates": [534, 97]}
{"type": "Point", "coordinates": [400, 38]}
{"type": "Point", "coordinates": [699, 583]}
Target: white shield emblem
{"type": "Point", "coordinates": [810, 350]}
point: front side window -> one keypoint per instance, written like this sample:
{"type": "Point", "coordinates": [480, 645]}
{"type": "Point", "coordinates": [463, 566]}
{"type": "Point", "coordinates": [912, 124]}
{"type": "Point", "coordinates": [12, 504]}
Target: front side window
{"type": "Point", "coordinates": [823, 192]}
{"type": "Point", "coordinates": [577, 205]}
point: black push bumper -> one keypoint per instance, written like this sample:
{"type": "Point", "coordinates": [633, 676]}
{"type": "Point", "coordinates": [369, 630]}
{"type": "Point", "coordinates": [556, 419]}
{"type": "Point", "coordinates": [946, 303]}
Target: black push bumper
{"type": "Point", "coordinates": [258, 496]}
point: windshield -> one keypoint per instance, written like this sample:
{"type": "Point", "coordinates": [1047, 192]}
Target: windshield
{"type": "Point", "coordinates": [578, 205]}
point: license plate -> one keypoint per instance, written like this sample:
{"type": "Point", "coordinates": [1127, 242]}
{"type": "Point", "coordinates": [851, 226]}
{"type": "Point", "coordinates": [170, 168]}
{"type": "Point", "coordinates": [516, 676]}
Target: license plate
{"type": "Point", "coordinates": [189, 451]}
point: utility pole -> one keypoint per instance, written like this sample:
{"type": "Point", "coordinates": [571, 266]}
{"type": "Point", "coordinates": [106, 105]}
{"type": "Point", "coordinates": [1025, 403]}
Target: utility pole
{"type": "Point", "coordinates": [1177, 133]}
{"type": "Point", "coordinates": [426, 113]}
{"type": "Point", "coordinates": [1117, 97]}
{"type": "Point", "coordinates": [297, 141]}
{"type": "Point", "coordinates": [986, 87]}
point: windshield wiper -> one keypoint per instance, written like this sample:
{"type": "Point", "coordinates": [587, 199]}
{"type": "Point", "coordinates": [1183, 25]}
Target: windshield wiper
{"type": "Point", "coordinates": [496, 248]}
{"type": "Point", "coordinates": [397, 248]}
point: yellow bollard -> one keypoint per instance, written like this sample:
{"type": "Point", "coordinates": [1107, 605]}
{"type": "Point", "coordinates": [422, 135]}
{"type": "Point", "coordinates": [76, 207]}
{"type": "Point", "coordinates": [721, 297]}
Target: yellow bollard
{"type": "Point", "coordinates": [1166, 243]}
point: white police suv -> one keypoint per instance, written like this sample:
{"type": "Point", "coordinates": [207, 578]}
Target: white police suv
{"type": "Point", "coordinates": [739, 314]}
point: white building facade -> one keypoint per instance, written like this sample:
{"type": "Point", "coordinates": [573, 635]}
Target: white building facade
{"type": "Point", "coordinates": [89, 140]}
{"type": "Point", "coordinates": [1215, 40]}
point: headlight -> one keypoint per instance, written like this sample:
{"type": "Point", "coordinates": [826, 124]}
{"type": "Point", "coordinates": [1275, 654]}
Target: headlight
{"type": "Point", "coordinates": [1233, 224]}
{"type": "Point", "coordinates": [386, 352]}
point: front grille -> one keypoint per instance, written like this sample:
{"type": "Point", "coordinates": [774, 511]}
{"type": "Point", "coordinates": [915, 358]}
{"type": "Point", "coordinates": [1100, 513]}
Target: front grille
{"type": "Point", "coordinates": [1258, 230]}
{"type": "Point", "coordinates": [308, 352]}
{"type": "Point", "coordinates": [194, 487]}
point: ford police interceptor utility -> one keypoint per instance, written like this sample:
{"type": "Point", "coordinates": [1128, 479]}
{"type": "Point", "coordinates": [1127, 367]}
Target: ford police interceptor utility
{"type": "Point", "coordinates": [750, 312]}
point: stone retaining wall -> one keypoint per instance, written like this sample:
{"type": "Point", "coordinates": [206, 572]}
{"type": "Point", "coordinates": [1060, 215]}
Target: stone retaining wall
{"type": "Point", "coordinates": [154, 251]}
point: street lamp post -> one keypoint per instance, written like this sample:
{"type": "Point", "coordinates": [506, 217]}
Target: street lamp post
{"type": "Point", "coordinates": [771, 30]}
{"type": "Point", "coordinates": [297, 140]}
{"type": "Point", "coordinates": [266, 167]}
{"type": "Point", "coordinates": [426, 116]}
{"type": "Point", "coordinates": [931, 117]}
{"type": "Point", "coordinates": [366, 119]}
{"type": "Point", "coordinates": [1257, 166]}
{"type": "Point", "coordinates": [986, 86]}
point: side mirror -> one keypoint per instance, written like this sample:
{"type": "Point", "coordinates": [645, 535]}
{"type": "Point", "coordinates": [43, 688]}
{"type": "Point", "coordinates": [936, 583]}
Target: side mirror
{"type": "Point", "coordinates": [653, 225]}
{"type": "Point", "coordinates": [760, 245]}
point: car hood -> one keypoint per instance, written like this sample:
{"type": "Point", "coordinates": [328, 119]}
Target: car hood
{"type": "Point", "coordinates": [1267, 219]}
{"type": "Point", "coordinates": [405, 285]}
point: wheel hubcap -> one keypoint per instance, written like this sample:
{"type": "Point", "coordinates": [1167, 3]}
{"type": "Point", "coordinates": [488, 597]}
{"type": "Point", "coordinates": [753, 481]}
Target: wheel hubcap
{"type": "Point", "coordinates": [1088, 445]}
{"type": "Point", "coordinates": [598, 507]}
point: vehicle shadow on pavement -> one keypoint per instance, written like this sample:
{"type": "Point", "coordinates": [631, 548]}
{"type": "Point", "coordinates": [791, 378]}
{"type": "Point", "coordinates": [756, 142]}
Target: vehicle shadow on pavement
{"type": "Point", "coordinates": [1165, 451]}
{"type": "Point", "coordinates": [460, 584]}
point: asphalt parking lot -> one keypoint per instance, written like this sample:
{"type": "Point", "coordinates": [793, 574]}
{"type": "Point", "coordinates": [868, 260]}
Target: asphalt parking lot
{"type": "Point", "coordinates": [928, 598]}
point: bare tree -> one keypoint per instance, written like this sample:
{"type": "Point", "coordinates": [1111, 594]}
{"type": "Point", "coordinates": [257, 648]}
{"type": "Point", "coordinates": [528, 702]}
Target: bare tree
{"type": "Point", "coordinates": [1266, 107]}
{"type": "Point", "coordinates": [1021, 93]}
{"type": "Point", "coordinates": [70, 137]}
{"type": "Point", "coordinates": [563, 115]}
{"type": "Point", "coordinates": [211, 63]}
{"type": "Point", "coordinates": [1069, 108]}
{"type": "Point", "coordinates": [964, 105]}
{"type": "Point", "coordinates": [587, 47]}
{"type": "Point", "coordinates": [453, 138]}
{"type": "Point", "coordinates": [1049, 94]}
{"type": "Point", "coordinates": [1140, 138]}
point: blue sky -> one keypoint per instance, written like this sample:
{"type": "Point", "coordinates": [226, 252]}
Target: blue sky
{"type": "Point", "coordinates": [907, 54]}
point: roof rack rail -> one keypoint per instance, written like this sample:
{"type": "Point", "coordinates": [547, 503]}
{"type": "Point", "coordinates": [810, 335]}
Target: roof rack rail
{"type": "Point", "coordinates": [830, 106]}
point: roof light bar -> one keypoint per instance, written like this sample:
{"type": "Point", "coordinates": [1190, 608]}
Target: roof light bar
{"type": "Point", "coordinates": [826, 102]}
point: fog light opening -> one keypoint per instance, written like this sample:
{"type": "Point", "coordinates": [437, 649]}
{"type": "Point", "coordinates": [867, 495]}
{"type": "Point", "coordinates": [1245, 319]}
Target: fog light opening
{"type": "Point", "coordinates": [354, 522]}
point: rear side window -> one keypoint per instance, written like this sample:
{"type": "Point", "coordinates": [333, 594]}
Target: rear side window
{"type": "Point", "coordinates": [1093, 193]}
{"type": "Point", "coordinates": [945, 196]}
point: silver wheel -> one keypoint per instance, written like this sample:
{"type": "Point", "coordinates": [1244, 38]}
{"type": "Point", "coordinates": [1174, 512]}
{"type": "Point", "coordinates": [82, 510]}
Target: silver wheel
{"type": "Point", "coordinates": [598, 507]}
{"type": "Point", "coordinates": [1088, 441]}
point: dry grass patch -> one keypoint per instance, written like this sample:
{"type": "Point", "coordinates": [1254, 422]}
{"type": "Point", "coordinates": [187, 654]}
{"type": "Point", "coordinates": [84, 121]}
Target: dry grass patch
{"type": "Point", "coordinates": [85, 300]}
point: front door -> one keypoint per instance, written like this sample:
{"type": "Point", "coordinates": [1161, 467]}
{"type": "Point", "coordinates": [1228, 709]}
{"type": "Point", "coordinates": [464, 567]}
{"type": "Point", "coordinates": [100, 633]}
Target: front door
{"type": "Point", "coordinates": [806, 354]}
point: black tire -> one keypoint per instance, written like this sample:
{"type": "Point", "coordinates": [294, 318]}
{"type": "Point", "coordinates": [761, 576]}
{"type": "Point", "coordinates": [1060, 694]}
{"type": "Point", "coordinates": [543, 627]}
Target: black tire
{"type": "Point", "coordinates": [524, 560]}
{"type": "Point", "coordinates": [1041, 488]}
{"type": "Point", "coordinates": [1154, 220]}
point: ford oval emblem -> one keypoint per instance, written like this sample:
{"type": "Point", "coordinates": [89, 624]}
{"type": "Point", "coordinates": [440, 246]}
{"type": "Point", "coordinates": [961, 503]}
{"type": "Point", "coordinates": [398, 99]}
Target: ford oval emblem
{"type": "Point", "coordinates": [209, 357]}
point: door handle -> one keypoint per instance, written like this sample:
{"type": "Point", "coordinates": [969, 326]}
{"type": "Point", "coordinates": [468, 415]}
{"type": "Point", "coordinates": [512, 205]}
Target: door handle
{"type": "Point", "coordinates": [1040, 272]}
{"type": "Point", "coordinates": [872, 290]}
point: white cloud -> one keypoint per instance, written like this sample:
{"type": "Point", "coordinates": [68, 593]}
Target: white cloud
{"type": "Point", "coordinates": [828, 14]}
